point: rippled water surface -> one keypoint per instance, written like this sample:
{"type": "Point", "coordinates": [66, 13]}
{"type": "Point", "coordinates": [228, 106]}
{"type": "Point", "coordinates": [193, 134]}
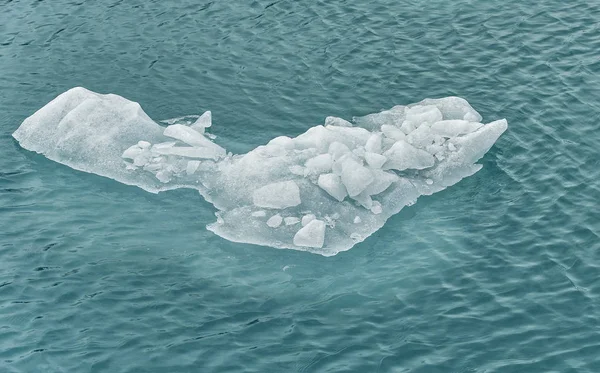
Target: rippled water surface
{"type": "Point", "coordinates": [500, 273]}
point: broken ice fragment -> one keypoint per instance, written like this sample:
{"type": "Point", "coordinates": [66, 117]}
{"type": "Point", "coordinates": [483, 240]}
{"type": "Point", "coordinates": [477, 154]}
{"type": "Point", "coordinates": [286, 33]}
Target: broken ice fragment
{"type": "Point", "coordinates": [423, 114]}
{"type": "Point", "coordinates": [452, 128]}
{"type": "Point", "coordinates": [402, 156]}
{"type": "Point", "coordinates": [141, 160]}
{"type": "Point", "coordinates": [283, 141]}
{"type": "Point", "coordinates": [143, 144]}
{"type": "Point", "coordinates": [381, 181]}
{"type": "Point", "coordinates": [335, 121]}
{"type": "Point", "coordinates": [274, 221]}
{"type": "Point", "coordinates": [332, 184]}
{"type": "Point", "coordinates": [311, 235]}
{"type": "Point", "coordinates": [373, 144]}
{"type": "Point", "coordinates": [337, 149]}
{"type": "Point", "coordinates": [203, 122]}
{"type": "Point", "coordinates": [393, 132]}
{"type": "Point", "coordinates": [376, 208]}
{"type": "Point", "coordinates": [364, 199]}
{"type": "Point", "coordinates": [192, 137]}
{"type": "Point", "coordinates": [319, 164]}
{"type": "Point", "coordinates": [421, 137]}
{"type": "Point", "coordinates": [308, 218]}
{"type": "Point", "coordinates": [375, 160]}
{"type": "Point", "coordinates": [132, 152]}
{"type": "Point", "coordinates": [163, 176]}
{"type": "Point", "coordinates": [355, 177]}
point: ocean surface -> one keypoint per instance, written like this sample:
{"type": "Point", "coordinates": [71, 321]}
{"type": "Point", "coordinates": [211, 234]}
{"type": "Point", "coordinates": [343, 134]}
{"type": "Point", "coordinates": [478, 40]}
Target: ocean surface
{"type": "Point", "coordinates": [499, 273]}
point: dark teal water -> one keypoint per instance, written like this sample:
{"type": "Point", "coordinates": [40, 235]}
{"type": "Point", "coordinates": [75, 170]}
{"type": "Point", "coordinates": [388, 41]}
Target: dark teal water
{"type": "Point", "coordinates": [500, 273]}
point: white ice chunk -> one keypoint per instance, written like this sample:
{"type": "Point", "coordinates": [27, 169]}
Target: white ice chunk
{"type": "Point", "coordinates": [434, 149]}
{"type": "Point", "coordinates": [144, 144]}
{"type": "Point", "coordinates": [339, 162]}
{"type": "Point", "coordinates": [455, 127]}
{"type": "Point", "coordinates": [364, 199]}
{"type": "Point", "coordinates": [307, 219]}
{"type": "Point", "coordinates": [454, 108]}
{"type": "Point", "coordinates": [359, 152]}
{"type": "Point", "coordinates": [332, 184]}
{"type": "Point", "coordinates": [203, 122]}
{"type": "Point", "coordinates": [476, 144]}
{"type": "Point", "coordinates": [374, 121]}
{"type": "Point", "coordinates": [320, 164]}
{"type": "Point", "coordinates": [423, 114]}
{"type": "Point", "coordinates": [191, 137]}
{"type": "Point", "coordinates": [373, 144]}
{"type": "Point", "coordinates": [407, 127]}
{"type": "Point", "coordinates": [141, 160]}
{"type": "Point", "coordinates": [317, 137]}
{"type": "Point", "coordinates": [351, 136]}
{"type": "Point", "coordinates": [337, 149]}
{"type": "Point", "coordinates": [163, 145]}
{"type": "Point", "coordinates": [375, 160]}
{"type": "Point", "coordinates": [270, 150]}
{"type": "Point", "coordinates": [355, 177]}
{"type": "Point", "coordinates": [259, 214]}
{"type": "Point", "coordinates": [381, 181]}
{"type": "Point", "coordinates": [402, 156]}
{"type": "Point", "coordinates": [357, 220]}
{"type": "Point", "coordinates": [283, 141]}
{"type": "Point", "coordinates": [335, 121]}
{"type": "Point", "coordinates": [163, 176]}
{"type": "Point", "coordinates": [132, 152]}
{"type": "Point", "coordinates": [393, 132]}
{"type": "Point", "coordinates": [311, 235]}
{"type": "Point", "coordinates": [275, 221]}
{"type": "Point", "coordinates": [421, 137]}
{"type": "Point", "coordinates": [376, 208]}
{"type": "Point", "coordinates": [472, 117]}
{"type": "Point", "coordinates": [277, 195]}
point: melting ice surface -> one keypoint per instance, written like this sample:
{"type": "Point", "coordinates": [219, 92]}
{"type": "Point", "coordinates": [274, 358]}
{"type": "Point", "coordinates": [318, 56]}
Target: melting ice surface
{"type": "Point", "coordinates": [323, 191]}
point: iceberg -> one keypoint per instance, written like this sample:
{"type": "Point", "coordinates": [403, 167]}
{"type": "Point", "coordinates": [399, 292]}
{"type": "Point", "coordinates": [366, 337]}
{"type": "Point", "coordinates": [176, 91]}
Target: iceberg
{"type": "Point", "coordinates": [341, 180]}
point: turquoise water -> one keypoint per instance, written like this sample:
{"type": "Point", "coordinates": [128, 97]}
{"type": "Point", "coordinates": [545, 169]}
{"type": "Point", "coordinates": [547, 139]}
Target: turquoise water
{"type": "Point", "coordinates": [496, 274]}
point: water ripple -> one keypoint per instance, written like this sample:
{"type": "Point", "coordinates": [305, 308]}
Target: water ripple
{"type": "Point", "coordinates": [498, 274]}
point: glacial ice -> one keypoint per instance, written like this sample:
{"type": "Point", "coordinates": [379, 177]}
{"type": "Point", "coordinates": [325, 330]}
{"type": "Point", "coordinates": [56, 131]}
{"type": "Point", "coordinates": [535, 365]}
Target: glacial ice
{"type": "Point", "coordinates": [341, 180]}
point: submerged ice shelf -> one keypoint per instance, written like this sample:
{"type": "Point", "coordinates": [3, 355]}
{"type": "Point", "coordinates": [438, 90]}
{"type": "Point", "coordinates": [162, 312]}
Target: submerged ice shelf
{"type": "Point", "coordinates": [322, 191]}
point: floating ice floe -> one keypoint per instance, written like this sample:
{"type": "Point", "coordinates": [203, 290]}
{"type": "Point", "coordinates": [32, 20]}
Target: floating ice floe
{"type": "Point", "coordinates": [323, 191]}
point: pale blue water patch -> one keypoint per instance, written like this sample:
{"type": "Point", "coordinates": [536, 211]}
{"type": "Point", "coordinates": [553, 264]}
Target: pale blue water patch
{"type": "Point", "coordinates": [497, 274]}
